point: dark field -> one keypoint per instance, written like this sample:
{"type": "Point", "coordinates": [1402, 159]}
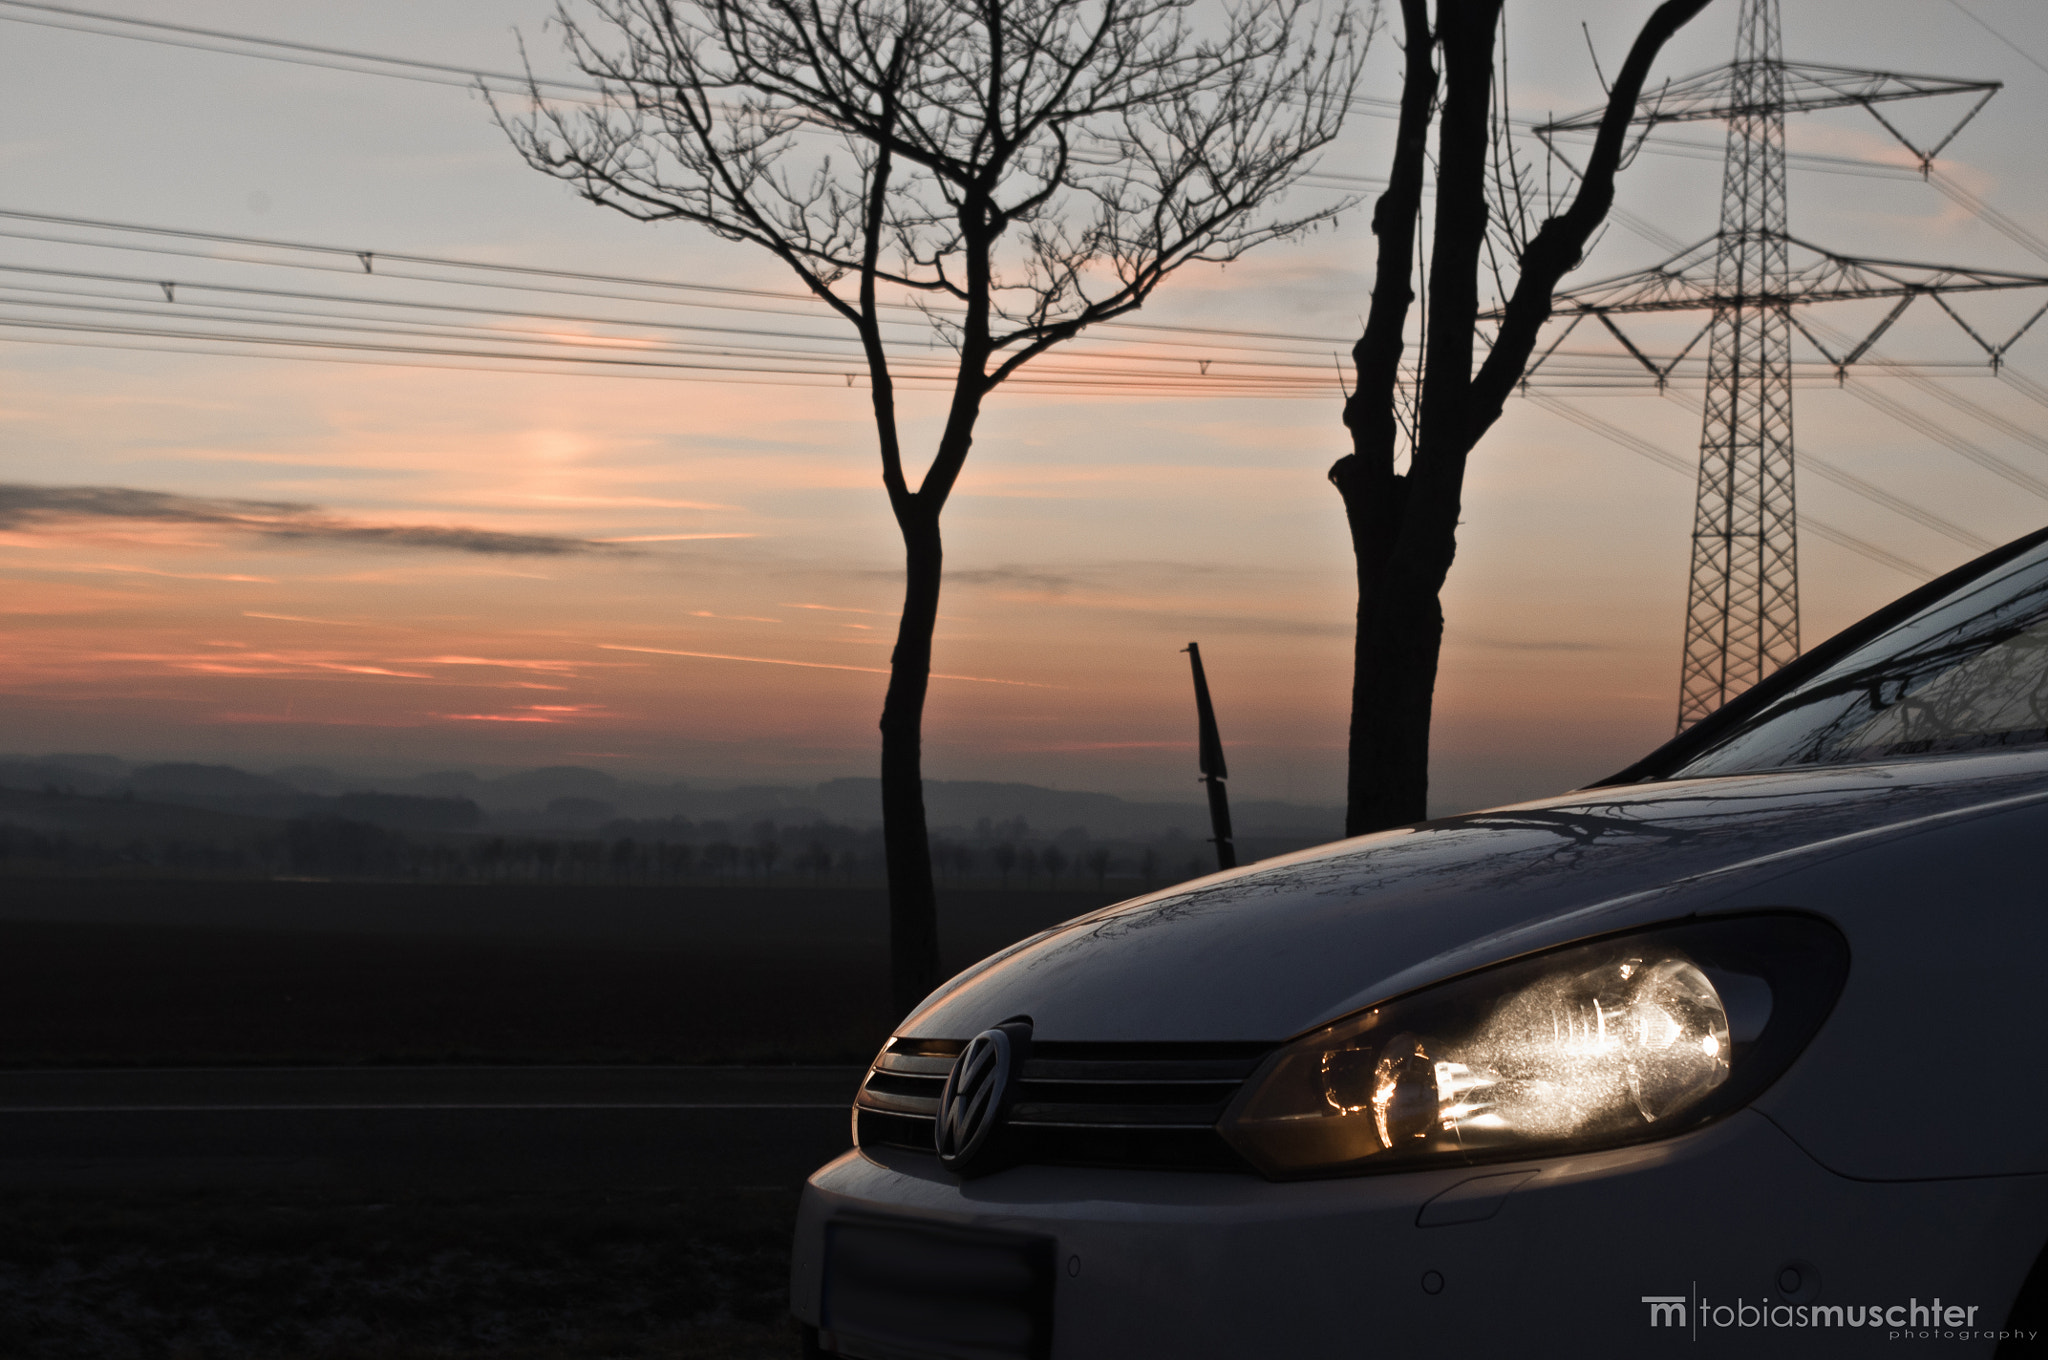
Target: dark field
{"type": "Point", "coordinates": [533, 1276]}
{"type": "Point", "coordinates": [110, 972]}
{"type": "Point", "coordinates": [127, 974]}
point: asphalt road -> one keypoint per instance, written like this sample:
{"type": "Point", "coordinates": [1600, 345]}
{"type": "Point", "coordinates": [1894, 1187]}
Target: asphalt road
{"type": "Point", "coordinates": [421, 1128]}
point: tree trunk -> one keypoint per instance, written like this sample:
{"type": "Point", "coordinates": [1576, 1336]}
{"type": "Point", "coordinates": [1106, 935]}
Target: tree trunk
{"type": "Point", "coordinates": [1374, 494]}
{"type": "Point", "coordinates": [906, 842]}
{"type": "Point", "coordinates": [1400, 631]}
{"type": "Point", "coordinates": [1404, 526]}
{"type": "Point", "coordinates": [1372, 508]}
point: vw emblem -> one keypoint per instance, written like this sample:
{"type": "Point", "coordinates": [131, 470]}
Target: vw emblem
{"type": "Point", "coordinates": [977, 1095]}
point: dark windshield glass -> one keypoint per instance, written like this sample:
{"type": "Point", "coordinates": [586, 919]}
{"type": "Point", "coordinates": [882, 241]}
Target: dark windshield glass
{"type": "Point", "coordinates": [1970, 670]}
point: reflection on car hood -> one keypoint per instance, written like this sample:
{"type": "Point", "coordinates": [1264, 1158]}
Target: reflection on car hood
{"type": "Point", "coordinates": [1266, 952]}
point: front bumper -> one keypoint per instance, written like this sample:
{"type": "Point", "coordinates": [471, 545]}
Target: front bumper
{"type": "Point", "coordinates": [1543, 1257]}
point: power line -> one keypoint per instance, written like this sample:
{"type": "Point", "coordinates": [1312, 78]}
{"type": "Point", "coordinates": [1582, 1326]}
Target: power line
{"type": "Point", "coordinates": [1025, 383]}
{"type": "Point", "coordinates": [1986, 26]}
{"type": "Point", "coordinates": [2008, 428]}
{"type": "Point", "coordinates": [1941, 434]}
{"type": "Point", "coordinates": [1074, 382]}
{"type": "Point", "coordinates": [1643, 448]}
{"type": "Point", "coordinates": [178, 293]}
{"type": "Point", "coordinates": [1216, 373]}
{"type": "Point", "coordinates": [2027, 387]}
{"type": "Point", "coordinates": [499, 275]}
{"type": "Point", "coordinates": [367, 262]}
{"type": "Point", "coordinates": [1955, 400]}
{"type": "Point", "coordinates": [388, 275]}
{"type": "Point", "coordinates": [1898, 505]}
{"type": "Point", "coordinates": [1826, 470]}
{"type": "Point", "coordinates": [350, 324]}
{"type": "Point", "coordinates": [212, 40]}
{"type": "Point", "coordinates": [1870, 491]}
{"type": "Point", "coordinates": [197, 39]}
{"type": "Point", "coordinates": [318, 329]}
{"type": "Point", "coordinates": [523, 369]}
{"type": "Point", "coordinates": [175, 286]}
{"type": "Point", "coordinates": [1990, 216]}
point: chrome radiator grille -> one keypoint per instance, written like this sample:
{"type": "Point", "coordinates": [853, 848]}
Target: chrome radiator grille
{"type": "Point", "coordinates": [1077, 1104]}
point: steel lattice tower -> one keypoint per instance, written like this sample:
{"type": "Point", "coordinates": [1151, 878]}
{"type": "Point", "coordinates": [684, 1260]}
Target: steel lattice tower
{"type": "Point", "coordinates": [1742, 606]}
{"type": "Point", "coordinates": [1742, 609]}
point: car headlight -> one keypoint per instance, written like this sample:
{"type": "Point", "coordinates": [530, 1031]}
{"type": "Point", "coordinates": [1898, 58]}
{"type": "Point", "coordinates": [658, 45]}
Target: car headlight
{"type": "Point", "coordinates": [1613, 1041]}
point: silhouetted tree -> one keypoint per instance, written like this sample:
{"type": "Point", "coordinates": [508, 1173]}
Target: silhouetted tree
{"type": "Point", "coordinates": [1032, 167]}
{"type": "Point", "coordinates": [1005, 856]}
{"type": "Point", "coordinates": [1098, 864]}
{"type": "Point", "coordinates": [1055, 860]}
{"type": "Point", "coordinates": [1404, 523]}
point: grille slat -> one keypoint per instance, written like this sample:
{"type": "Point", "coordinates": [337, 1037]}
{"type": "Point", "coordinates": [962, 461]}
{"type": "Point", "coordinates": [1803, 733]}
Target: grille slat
{"type": "Point", "coordinates": [1124, 1116]}
{"type": "Point", "coordinates": [916, 1064]}
{"type": "Point", "coordinates": [1124, 1092]}
{"type": "Point", "coordinates": [1153, 1104]}
{"type": "Point", "coordinates": [927, 1088]}
{"type": "Point", "coordinates": [924, 1106]}
{"type": "Point", "coordinates": [934, 1048]}
{"type": "Point", "coordinates": [903, 1087]}
{"type": "Point", "coordinates": [1229, 1070]}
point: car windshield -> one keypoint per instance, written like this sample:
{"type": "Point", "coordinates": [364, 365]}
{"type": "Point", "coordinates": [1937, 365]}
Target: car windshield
{"type": "Point", "coordinates": [1968, 671]}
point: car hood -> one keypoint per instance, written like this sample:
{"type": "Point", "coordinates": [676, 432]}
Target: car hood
{"type": "Point", "coordinates": [1267, 952]}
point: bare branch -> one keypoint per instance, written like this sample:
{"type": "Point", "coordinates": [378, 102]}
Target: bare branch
{"type": "Point", "coordinates": [1098, 144]}
{"type": "Point", "coordinates": [1369, 413]}
{"type": "Point", "coordinates": [1561, 243]}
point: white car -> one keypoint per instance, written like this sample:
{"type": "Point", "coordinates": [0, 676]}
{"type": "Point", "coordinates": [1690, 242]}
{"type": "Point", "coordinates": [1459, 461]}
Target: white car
{"type": "Point", "coordinates": [1743, 1052]}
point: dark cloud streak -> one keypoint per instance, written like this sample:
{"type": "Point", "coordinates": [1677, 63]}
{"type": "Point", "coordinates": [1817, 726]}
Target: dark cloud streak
{"type": "Point", "coordinates": [28, 508]}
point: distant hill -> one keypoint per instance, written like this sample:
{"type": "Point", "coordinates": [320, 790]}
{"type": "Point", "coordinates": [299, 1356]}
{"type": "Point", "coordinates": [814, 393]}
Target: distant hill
{"type": "Point", "coordinates": [224, 789]}
{"type": "Point", "coordinates": [566, 799]}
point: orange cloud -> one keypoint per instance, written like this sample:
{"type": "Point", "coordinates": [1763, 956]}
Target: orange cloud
{"type": "Point", "coordinates": [819, 665]}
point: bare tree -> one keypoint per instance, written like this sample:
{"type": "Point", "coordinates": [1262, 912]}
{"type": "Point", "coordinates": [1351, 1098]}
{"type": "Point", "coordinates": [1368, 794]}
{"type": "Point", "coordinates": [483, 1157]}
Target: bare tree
{"type": "Point", "coordinates": [1404, 522]}
{"type": "Point", "coordinates": [1015, 170]}
{"type": "Point", "coordinates": [1055, 861]}
{"type": "Point", "coordinates": [1098, 864]}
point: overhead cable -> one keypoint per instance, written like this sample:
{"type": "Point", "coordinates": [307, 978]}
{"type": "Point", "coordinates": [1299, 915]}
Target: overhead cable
{"type": "Point", "coordinates": [193, 38]}
{"type": "Point", "coordinates": [1672, 462]}
{"type": "Point", "coordinates": [75, 19]}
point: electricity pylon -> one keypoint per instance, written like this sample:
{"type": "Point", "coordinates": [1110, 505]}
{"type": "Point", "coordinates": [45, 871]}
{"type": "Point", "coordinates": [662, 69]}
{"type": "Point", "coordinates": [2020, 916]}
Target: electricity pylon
{"type": "Point", "coordinates": [1742, 606]}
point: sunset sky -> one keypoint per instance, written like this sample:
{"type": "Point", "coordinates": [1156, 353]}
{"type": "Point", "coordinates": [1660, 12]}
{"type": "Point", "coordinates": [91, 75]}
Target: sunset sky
{"type": "Point", "coordinates": [402, 566]}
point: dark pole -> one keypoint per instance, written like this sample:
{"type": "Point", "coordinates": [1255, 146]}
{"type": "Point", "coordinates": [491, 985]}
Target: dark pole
{"type": "Point", "coordinates": [1213, 771]}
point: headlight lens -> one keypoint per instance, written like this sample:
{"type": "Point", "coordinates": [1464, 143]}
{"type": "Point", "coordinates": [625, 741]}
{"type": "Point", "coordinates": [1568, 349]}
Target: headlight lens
{"type": "Point", "coordinates": [1596, 1044]}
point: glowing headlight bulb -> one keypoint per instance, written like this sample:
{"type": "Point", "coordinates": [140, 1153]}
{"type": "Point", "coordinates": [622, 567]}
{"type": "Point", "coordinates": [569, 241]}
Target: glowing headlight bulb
{"type": "Point", "coordinates": [1406, 1100]}
{"type": "Point", "coordinates": [1675, 1035]}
